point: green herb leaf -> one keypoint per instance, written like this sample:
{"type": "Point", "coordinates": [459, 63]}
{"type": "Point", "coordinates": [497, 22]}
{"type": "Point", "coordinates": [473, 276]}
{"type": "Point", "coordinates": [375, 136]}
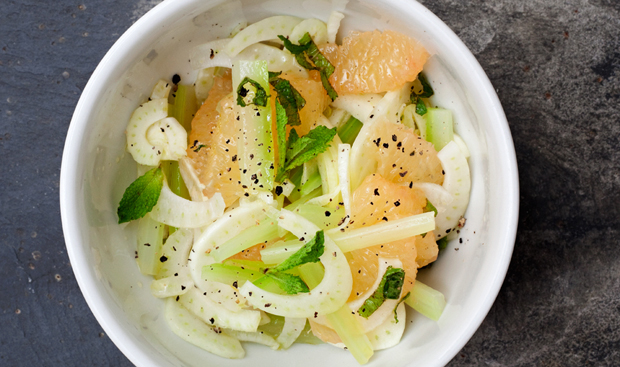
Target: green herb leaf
{"type": "Point", "coordinates": [398, 304]}
{"type": "Point", "coordinates": [197, 149]}
{"type": "Point", "coordinates": [442, 243]}
{"type": "Point", "coordinates": [309, 146]}
{"type": "Point", "coordinates": [309, 253]}
{"type": "Point", "coordinates": [427, 90]}
{"type": "Point", "coordinates": [141, 196]}
{"type": "Point", "coordinates": [307, 49]}
{"type": "Point", "coordinates": [290, 99]}
{"type": "Point", "coordinates": [430, 208]}
{"type": "Point", "coordinates": [389, 288]}
{"type": "Point", "coordinates": [290, 283]}
{"type": "Point", "coordinates": [260, 95]}
{"type": "Point", "coordinates": [273, 75]}
{"type": "Point", "coordinates": [420, 107]}
{"type": "Point", "coordinates": [281, 122]}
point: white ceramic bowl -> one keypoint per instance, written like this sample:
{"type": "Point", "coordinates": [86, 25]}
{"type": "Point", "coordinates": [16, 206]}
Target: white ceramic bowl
{"type": "Point", "coordinates": [96, 170]}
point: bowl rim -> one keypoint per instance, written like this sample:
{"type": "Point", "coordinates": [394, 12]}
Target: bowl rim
{"type": "Point", "coordinates": [69, 183]}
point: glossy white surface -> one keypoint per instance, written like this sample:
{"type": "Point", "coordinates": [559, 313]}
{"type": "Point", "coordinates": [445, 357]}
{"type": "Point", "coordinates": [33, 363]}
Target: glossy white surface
{"type": "Point", "coordinates": [96, 170]}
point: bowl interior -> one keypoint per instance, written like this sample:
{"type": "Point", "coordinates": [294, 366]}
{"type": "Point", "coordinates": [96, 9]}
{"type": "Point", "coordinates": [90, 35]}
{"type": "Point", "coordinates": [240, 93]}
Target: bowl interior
{"type": "Point", "coordinates": [96, 170]}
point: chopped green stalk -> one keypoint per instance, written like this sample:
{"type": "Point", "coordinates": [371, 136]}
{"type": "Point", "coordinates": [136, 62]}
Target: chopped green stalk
{"type": "Point", "coordinates": [343, 321]}
{"type": "Point", "coordinates": [184, 107]}
{"type": "Point", "coordinates": [229, 274]}
{"type": "Point", "coordinates": [150, 241]}
{"type": "Point", "coordinates": [322, 217]}
{"type": "Point", "coordinates": [348, 132]}
{"type": "Point", "coordinates": [383, 232]}
{"type": "Point", "coordinates": [269, 284]}
{"type": "Point", "coordinates": [311, 184]}
{"type": "Point", "coordinates": [175, 182]}
{"type": "Point", "coordinates": [426, 300]}
{"type": "Point", "coordinates": [439, 127]}
{"type": "Point", "coordinates": [254, 143]}
{"type": "Point", "coordinates": [306, 336]}
{"type": "Point", "coordinates": [389, 288]}
{"type": "Point", "coordinates": [280, 251]}
{"type": "Point", "coordinates": [297, 200]}
{"type": "Point", "coordinates": [246, 264]}
{"type": "Point", "coordinates": [274, 326]}
{"type": "Point", "coordinates": [265, 231]}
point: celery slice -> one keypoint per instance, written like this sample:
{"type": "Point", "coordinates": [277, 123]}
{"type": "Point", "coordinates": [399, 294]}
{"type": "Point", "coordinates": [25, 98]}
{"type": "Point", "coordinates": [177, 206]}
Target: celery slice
{"type": "Point", "coordinates": [229, 274]}
{"type": "Point", "coordinates": [280, 251]}
{"type": "Point", "coordinates": [349, 131]}
{"type": "Point", "coordinates": [264, 232]}
{"type": "Point", "coordinates": [184, 106]}
{"type": "Point", "coordinates": [150, 241]}
{"type": "Point", "coordinates": [426, 300]}
{"type": "Point", "coordinates": [255, 141]}
{"type": "Point", "coordinates": [324, 218]}
{"type": "Point", "coordinates": [439, 127]}
{"type": "Point", "coordinates": [383, 232]}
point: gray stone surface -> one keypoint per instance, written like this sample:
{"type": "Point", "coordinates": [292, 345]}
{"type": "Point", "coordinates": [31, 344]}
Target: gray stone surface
{"type": "Point", "coordinates": [556, 67]}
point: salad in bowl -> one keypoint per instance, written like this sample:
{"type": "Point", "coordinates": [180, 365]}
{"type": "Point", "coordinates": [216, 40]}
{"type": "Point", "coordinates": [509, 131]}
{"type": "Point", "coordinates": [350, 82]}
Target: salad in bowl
{"type": "Point", "coordinates": [293, 190]}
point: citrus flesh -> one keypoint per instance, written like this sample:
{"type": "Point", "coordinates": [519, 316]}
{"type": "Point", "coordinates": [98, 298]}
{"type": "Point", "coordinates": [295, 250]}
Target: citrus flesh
{"type": "Point", "coordinates": [374, 62]}
{"type": "Point", "coordinates": [213, 149]}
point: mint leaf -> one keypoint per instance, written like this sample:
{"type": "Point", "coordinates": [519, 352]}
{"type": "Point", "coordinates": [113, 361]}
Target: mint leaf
{"type": "Point", "coordinates": [427, 90]}
{"type": "Point", "coordinates": [442, 243]}
{"type": "Point", "coordinates": [309, 253]}
{"type": "Point", "coordinates": [260, 95]}
{"type": "Point", "coordinates": [274, 75]}
{"type": "Point", "coordinates": [289, 98]}
{"type": "Point", "coordinates": [416, 98]}
{"type": "Point", "coordinates": [309, 146]}
{"type": "Point", "coordinates": [281, 121]}
{"type": "Point", "coordinates": [389, 288]}
{"type": "Point", "coordinates": [398, 304]}
{"type": "Point", "coordinates": [141, 196]}
{"type": "Point", "coordinates": [307, 49]}
{"type": "Point", "coordinates": [430, 208]}
{"type": "Point", "coordinates": [291, 284]}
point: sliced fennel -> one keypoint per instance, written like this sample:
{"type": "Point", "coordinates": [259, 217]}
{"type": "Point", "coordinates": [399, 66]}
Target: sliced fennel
{"type": "Point", "coordinates": [255, 337]}
{"type": "Point", "coordinates": [264, 30]}
{"type": "Point", "coordinates": [426, 300]}
{"type": "Point", "coordinates": [191, 329]}
{"type": "Point", "coordinates": [457, 182]}
{"type": "Point", "coordinates": [325, 298]}
{"type": "Point", "coordinates": [171, 286]}
{"type": "Point", "coordinates": [141, 120]}
{"type": "Point", "coordinates": [461, 143]}
{"type": "Point", "coordinates": [161, 90]}
{"type": "Point", "coordinates": [175, 253]}
{"type": "Point", "coordinates": [291, 331]}
{"type": "Point", "coordinates": [333, 24]}
{"type": "Point", "coordinates": [389, 333]}
{"type": "Point", "coordinates": [204, 83]}
{"type": "Point", "coordinates": [383, 232]}
{"type": "Point", "coordinates": [175, 211]}
{"type": "Point", "coordinates": [358, 105]}
{"type": "Point", "coordinates": [437, 195]}
{"type": "Point", "coordinates": [316, 28]}
{"type": "Point", "coordinates": [344, 156]}
{"type": "Point", "coordinates": [215, 314]}
{"type": "Point", "coordinates": [254, 140]}
{"type": "Point", "coordinates": [210, 54]}
{"type": "Point", "coordinates": [170, 138]}
{"type": "Point", "coordinates": [192, 182]}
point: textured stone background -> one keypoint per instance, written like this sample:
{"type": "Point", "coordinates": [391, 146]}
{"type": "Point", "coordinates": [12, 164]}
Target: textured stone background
{"type": "Point", "coordinates": [556, 67]}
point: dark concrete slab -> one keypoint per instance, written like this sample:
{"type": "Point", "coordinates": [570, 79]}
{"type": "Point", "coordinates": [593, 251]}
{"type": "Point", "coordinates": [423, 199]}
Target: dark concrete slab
{"type": "Point", "coordinates": [556, 67]}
